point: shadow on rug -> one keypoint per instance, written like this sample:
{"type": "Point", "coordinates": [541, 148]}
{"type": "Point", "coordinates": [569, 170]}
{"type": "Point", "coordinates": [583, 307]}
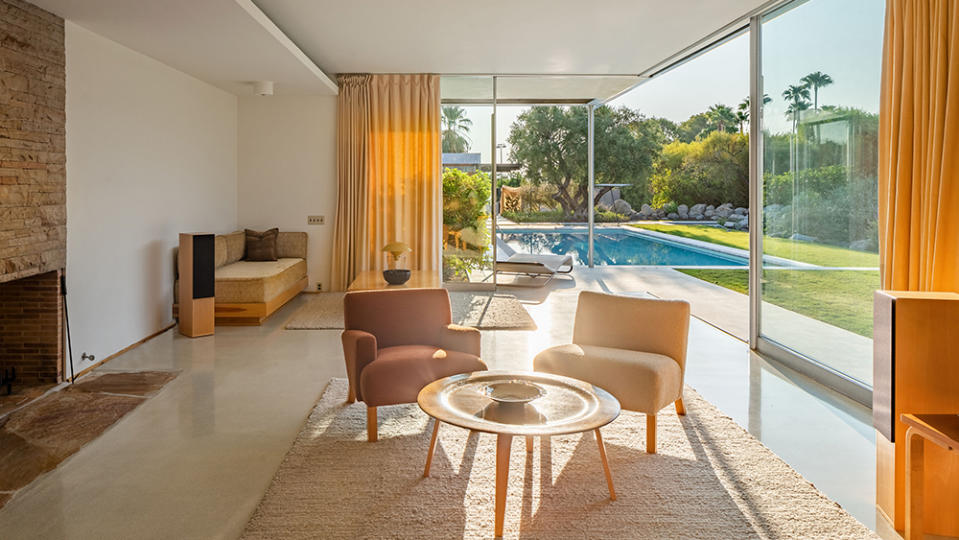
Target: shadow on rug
{"type": "Point", "coordinates": [483, 310]}
{"type": "Point", "coordinates": [39, 436]}
{"type": "Point", "coordinates": [710, 479]}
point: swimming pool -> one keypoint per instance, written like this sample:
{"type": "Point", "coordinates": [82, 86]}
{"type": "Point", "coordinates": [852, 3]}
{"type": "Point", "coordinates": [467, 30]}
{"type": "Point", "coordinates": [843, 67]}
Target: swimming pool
{"type": "Point", "coordinates": [615, 247]}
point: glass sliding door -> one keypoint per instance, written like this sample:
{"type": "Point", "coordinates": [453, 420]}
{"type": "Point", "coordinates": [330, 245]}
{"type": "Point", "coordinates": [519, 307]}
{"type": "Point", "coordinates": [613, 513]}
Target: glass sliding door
{"type": "Point", "coordinates": [466, 124]}
{"type": "Point", "coordinates": [821, 64]}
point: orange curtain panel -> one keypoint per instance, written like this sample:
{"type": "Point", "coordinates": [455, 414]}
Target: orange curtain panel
{"type": "Point", "coordinates": [388, 168]}
{"type": "Point", "coordinates": [919, 147]}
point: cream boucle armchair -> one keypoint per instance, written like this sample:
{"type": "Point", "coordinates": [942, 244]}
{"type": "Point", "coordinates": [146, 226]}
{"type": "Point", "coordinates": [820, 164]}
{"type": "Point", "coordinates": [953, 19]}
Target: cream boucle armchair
{"type": "Point", "coordinates": [635, 348]}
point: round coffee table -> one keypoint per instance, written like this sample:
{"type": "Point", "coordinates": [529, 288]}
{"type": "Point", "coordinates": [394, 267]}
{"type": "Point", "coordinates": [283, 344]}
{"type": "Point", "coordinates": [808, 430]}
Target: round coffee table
{"type": "Point", "coordinates": [566, 406]}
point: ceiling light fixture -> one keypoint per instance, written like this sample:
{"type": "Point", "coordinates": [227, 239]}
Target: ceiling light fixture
{"type": "Point", "coordinates": [263, 88]}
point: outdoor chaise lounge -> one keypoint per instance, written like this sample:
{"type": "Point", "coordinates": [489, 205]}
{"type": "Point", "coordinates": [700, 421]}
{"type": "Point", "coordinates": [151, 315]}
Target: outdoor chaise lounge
{"type": "Point", "coordinates": [530, 264]}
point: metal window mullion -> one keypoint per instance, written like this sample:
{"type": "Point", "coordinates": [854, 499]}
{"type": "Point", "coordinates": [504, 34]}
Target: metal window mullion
{"type": "Point", "coordinates": [591, 179]}
{"type": "Point", "coordinates": [755, 179]}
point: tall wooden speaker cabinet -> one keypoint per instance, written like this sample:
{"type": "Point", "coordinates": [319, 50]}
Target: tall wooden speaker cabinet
{"type": "Point", "coordinates": [196, 292]}
{"type": "Point", "coordinates": [915, 370]}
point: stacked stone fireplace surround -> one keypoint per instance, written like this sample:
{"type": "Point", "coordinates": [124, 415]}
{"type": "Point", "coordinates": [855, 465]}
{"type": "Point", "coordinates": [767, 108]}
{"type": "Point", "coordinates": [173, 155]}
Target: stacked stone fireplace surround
{"type": "Point", "coordinates": [32, 192]}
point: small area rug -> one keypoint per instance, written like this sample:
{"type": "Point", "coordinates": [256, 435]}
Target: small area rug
{"type": "Point", "coordinates": [37, 437]}
{"type": "Point", "coordinates": [483, 310]}
{"type": "Point", "coordinates": [710, 479]}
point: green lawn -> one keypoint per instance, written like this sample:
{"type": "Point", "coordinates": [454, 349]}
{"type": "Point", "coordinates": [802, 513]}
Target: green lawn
{"type": "Point", "coordinates": [841, 298]}
{"type": "Point", "coordinates": [819, 254]}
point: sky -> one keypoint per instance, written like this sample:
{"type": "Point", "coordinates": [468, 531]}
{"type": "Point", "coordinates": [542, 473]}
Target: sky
{"type": "Point", "coordinates": [842, 38]}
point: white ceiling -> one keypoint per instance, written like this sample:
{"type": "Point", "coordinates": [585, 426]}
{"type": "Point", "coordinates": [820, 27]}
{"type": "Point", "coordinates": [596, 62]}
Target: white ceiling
{"type": "Point", "coordinates": [230, 43]}
{"type": "Point", "coordinates": [499, 36]}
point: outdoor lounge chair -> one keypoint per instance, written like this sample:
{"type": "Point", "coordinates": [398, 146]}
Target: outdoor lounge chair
{"type": "Point", "coordinates": [530, 264]}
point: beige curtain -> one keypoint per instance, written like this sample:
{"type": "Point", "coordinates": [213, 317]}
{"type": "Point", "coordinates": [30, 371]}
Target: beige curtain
{"type": "Point", "coordinates": [919, 147]}
{"type": "Point", "coordinates": [350, 232]}
{"type": "Point", "coordinates": [388, 168]}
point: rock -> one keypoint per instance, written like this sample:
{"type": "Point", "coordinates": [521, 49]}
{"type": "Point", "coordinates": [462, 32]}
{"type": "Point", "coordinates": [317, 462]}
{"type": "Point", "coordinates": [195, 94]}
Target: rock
{"type": "Point", "coordinates": [710, 208]}
{"type": "Point", "coordinates": [602, 208]}
{"type": "Point", "coordinates": [610, 197]}
{"type": "Point", "coordinates": [622, 207]}
{"type": "Point", "coordinates": [697, 209]}
{"type": "Point", "coordinates": [735, 217]}
{"type": "Point", "coordinates": [697, 216]}
{"type": "Point", "coordinates": [672, 215]}
{"type": "Point", "coordinates": [741, 210]}
{"type": "Point", "coordinates": [683, 211]}
{"type": "Point", "coordinates": [860, 245]}
{"type": "Point", "coordinates": [803, 238]}
{"type": "Point", "coordinates": [773, 208]}
{"type": "Point", "coordinates": [731, 224]}
{"type": "Point", "coordinates": [723, 211]}
{"type": "Point", "coordinates": [709, 213]}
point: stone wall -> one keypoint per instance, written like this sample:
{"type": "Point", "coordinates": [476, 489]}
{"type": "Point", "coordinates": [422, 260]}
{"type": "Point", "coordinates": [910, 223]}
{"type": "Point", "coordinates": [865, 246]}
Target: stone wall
{"type": "Point", "coordinates": [32, 141]}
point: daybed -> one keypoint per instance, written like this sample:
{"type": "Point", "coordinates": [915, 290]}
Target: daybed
{"type": "Point", "coordinates": [247, 292]}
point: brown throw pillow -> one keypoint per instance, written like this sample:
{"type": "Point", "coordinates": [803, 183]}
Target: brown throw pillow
{"type": "Point", "coordinates": [261, 246]}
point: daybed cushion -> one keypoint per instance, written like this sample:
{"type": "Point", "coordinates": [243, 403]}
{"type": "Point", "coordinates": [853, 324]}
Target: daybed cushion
{"type": "Point", "coordinates": [257, 281]}
{"type": "Point", "coordinates": [235, 246]}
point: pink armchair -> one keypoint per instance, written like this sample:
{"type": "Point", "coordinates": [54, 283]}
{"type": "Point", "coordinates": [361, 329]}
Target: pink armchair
{"type": "Point", "coordinates": [398, 341]}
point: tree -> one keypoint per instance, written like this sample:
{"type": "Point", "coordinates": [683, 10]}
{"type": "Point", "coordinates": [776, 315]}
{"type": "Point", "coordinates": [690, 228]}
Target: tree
{"type": "Point", "coordinates": [550, 143]}
{"type": "Point", "coordinates": [456, 128]}
{"type": "Point", "coordinates": [721, 117]}
{"type": "Point", "coordinates": [696, 126]}
{"type": "Point", "coordinates": [816, 80]}
{"type": "Point", "coordinates": [712, 170]}
{"type": "Point", "coordinates": [797, 95]}
{"type": "Point", "coordinates": [742, 111]}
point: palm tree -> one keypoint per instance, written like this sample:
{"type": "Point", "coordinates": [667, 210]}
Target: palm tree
{"type": "Point", "coordinates": [742, 111]}
{"type": "Point", "coordinates": [721, 116]}
{"type": "Point", "coordinates": [797, 95]}
{"type": "Point", "coordinates": [817, 80]}
{"type": "Point", "coordinates": [456, 128]}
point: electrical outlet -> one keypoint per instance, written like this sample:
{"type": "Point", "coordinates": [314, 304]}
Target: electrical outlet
{"type": "Point", "coordinates": [319, 286]}
{"type": "Point", "coordinates": [316, 220]}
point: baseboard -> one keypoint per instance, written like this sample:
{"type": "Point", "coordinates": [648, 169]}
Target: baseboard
{"type": "Point", "coordinates": [126, 349]}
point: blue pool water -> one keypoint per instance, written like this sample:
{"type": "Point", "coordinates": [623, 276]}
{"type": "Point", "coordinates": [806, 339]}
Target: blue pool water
{"type": "Point", "coordinates": [615, 247]}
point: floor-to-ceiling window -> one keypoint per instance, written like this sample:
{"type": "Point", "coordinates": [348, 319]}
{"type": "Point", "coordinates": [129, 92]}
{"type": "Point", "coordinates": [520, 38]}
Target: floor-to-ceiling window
{"type": "Point", "coordinates": [820, 73]}
{"type": "Point", "coordinates": [466, 123]}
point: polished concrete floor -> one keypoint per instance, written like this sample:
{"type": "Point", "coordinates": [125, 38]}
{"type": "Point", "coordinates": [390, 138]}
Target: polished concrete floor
{"type": "Point", "coordinates": [194, 460]}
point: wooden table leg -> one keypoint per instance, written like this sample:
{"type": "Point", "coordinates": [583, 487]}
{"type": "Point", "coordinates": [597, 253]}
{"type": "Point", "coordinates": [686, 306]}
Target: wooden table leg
{"type": "Point", "coordinates": [429, 453]}
{"type": "Point", "coordinates": [914, 485]}
{"type": "Point", "coordinates": [503, 444]}
{"type": "Point", "coordinates": [602, 456]}
{"type": "Point", "coordinates": [529, 445]}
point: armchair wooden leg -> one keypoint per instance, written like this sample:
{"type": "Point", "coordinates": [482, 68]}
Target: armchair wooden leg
{"type": "Point", "coordinates": [680, 407]}
{"type": "Point", "coordinates": [650, 433]}
{"type": "Point", "coordinates": [351, 395]}
{"type": "Point", "coordinates": [371, 424]}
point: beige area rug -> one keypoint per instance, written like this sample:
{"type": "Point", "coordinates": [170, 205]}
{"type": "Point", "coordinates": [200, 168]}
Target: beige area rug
{"type": "Point", "coordinates": [483, 310]}
{"type": "Point", "coordinates": [710, 479]}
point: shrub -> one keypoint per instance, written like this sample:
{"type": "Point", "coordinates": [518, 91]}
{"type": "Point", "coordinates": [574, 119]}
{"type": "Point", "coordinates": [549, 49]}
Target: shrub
{"type": "Point", "coordinates": [713, 170]}
{"type": "Point", "coordinates": [536, 216]}
{"type": "Point", "coordinates": [465, 202]}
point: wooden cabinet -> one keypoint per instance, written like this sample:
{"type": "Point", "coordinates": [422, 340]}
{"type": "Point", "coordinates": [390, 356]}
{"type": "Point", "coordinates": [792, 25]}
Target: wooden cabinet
{"type": "Point", "coordinates": [916, 371]}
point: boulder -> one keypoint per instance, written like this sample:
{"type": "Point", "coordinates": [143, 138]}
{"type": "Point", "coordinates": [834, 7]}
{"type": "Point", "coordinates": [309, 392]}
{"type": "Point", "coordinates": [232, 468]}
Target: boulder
{"type": "Point", "coordinates": [803, 238]}
{"type": "Point", "coordinates": [672, 215]}
{"type": "Point", "coordinates": [683, 211]}
{"type": "Point", "coordinates": [610, 197]}
{"type": "Point", "coordinates": [710, 208]}
{"type": "Point", "coordinates": [697, 209]}
{"type": "Point", "coordinates": [697, 216]}
{"type": "Point", "coordinates": [723, 211]}
{"type": "Point", "coordinates": [731, 224]}
{"type": "Point", "coordinates": [620, 206]}
{"type": "Point", "coordinates": [709, 213]}
{"type": "Point", "coordinates": [741, 210]}
{"type": "Point", "coordinates": [860, 245]}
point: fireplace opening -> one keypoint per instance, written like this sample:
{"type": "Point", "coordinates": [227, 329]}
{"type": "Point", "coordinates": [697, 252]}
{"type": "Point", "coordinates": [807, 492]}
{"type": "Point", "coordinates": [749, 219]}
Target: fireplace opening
{"type": "Point", "coordinates": [31, 331]}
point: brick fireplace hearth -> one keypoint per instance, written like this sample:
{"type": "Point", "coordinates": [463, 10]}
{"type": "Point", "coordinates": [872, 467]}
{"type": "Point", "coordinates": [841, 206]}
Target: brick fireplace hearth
{"type": "Point", "coordinates": [31, 328]}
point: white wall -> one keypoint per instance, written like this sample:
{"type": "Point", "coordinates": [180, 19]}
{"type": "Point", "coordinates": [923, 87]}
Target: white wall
{"type": "Point", "coordinates": [287, 170]}
{"type": "Point", "coordinates": [151, 152]}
